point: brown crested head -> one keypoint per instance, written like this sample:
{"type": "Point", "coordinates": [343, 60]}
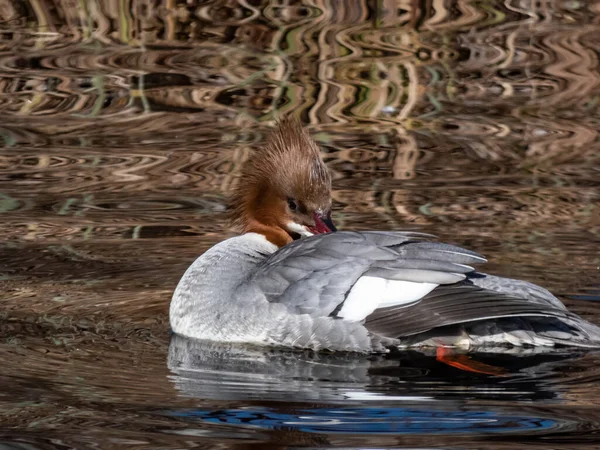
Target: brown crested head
{"type": "Point", "coordinates": [284, 191]}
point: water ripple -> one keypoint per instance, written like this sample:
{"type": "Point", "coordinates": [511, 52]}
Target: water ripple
{"type": "Point", "coordinates": [124, 129]}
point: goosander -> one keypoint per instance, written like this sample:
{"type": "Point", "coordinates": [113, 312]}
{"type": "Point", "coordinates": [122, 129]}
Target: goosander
{"type": "Point", "coordinates": [292, 280]}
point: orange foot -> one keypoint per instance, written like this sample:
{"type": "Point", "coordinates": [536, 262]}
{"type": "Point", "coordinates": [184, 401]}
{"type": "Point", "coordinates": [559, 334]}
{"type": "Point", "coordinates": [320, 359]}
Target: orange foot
{"type": "Point", "coordinates": [464, 362]}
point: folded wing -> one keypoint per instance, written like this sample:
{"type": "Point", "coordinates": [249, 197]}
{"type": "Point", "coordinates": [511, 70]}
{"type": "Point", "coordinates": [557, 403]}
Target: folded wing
{"type": "Point", "coordinates": [396, 283]}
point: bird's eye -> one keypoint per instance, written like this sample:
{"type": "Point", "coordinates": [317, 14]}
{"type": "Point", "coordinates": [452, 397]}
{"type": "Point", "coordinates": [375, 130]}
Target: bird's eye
{"type": "Point", "coordinates": [292, 204]}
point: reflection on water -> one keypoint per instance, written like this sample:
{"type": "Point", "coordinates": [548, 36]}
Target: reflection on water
{"type": "Point", "coordinates": [208, 370]}
{"type": "Point", "coordinates": [124, 127]}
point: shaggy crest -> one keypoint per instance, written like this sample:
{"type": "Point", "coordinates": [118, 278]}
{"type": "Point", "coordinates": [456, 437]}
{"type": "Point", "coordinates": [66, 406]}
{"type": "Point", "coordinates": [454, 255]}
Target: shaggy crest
{"type": "Point", "coordinates": [289, 165]}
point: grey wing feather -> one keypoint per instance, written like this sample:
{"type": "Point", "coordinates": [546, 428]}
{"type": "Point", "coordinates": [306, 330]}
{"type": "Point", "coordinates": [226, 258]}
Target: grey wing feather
{"type": "Point", "coordinates": [314, 275]}
{"type": "Point", "coordinates": [516, 288]}
{"type": "Point", "coordinates": [416, 275]}
{"type": "Point", "coordinates": [453, 304]}
{"type": "Point", "coordinates": [441, 252]}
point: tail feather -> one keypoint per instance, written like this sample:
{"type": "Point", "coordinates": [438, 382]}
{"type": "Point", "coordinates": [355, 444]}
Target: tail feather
{"type": "Point", "coordinates": [570, 331]}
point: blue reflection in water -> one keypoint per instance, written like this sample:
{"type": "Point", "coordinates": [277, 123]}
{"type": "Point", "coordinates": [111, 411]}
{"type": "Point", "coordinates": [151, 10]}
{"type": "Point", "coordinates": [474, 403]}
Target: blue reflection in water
{"type": "Point", "coordinates": [373, 420]}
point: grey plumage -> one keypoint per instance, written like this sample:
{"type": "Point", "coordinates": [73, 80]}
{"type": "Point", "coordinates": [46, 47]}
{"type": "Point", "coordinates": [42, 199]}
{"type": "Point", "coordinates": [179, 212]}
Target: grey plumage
{"type": "Point", "coordinates": [246, 290]}
{"type": "Point", "coordinates": [517, 288]}
{"type": "Point", "coordinates": [314, 275]}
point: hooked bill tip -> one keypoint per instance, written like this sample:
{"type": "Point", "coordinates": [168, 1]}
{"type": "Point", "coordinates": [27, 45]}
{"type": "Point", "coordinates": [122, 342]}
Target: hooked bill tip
{"type": "Point", "coordinates": [323, 224]}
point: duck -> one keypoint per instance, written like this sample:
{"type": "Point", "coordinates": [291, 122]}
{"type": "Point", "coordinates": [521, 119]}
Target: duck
{"type": "Point", "coordinates": [290, 279]}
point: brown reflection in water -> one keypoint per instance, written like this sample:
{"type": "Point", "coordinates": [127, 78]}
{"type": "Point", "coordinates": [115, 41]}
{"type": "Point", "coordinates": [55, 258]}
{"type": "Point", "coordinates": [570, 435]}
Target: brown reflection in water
{"type": "Point", "coordinates": [125, 124]}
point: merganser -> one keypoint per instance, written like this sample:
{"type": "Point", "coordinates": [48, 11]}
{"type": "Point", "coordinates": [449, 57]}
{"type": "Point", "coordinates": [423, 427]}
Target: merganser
{"type": "Point", "coordinates": [291, 279]}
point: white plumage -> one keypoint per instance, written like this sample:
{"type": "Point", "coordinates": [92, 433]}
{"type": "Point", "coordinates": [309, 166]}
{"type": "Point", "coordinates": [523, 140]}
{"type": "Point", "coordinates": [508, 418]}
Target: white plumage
{"type": "Point", "coordinates": [370, 293]}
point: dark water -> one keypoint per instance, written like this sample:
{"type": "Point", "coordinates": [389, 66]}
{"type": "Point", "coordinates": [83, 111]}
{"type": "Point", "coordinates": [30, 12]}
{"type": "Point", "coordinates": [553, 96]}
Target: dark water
{"type": "Point", "coordinates": [124, 124]}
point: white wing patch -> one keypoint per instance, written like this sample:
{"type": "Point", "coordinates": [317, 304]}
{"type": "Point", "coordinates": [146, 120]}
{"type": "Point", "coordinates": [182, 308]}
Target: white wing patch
{"type": "Point", "coordinates": [370, 293]}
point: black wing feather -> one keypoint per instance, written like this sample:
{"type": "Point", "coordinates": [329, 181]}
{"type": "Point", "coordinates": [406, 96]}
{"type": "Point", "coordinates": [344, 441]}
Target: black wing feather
{"type": "Point", "coordinates": [449, 305]}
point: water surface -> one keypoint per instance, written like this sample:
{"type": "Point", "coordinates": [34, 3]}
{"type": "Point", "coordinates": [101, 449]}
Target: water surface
{"type": "Point", "coordinates": [124, 125]}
